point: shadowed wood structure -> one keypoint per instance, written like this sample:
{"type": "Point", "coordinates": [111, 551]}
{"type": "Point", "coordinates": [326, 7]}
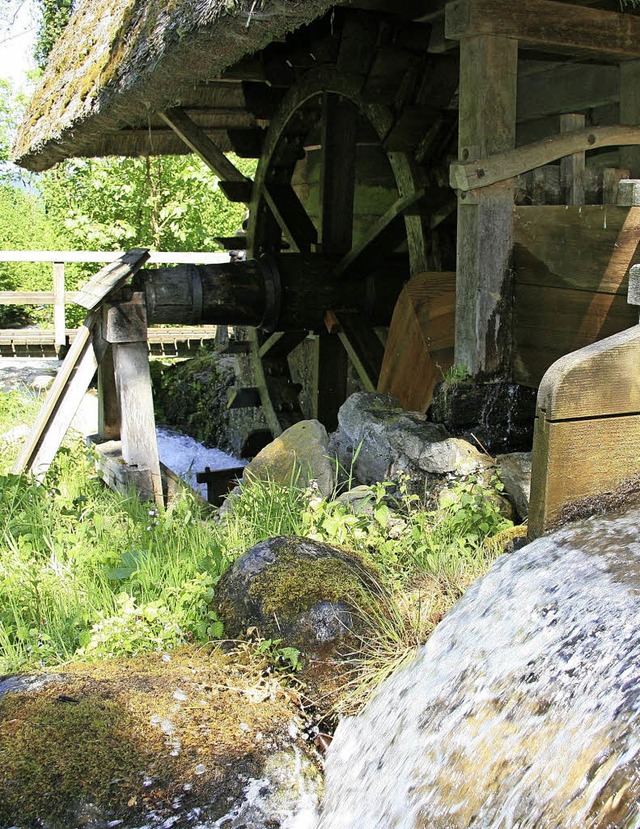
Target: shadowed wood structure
{"type": "Point", "coordinates": [498, 141]}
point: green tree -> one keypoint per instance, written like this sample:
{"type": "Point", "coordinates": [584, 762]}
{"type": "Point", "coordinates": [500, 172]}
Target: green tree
{"type": "Point", "coordinates": [165, 202]}
{"type": "Point", "coordinates": [54, 17]}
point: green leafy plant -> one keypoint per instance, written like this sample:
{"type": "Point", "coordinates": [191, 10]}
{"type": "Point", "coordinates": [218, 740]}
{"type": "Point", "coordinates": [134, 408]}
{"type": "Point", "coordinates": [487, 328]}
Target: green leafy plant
{"type": "Point", "coordinates": [455, 374]}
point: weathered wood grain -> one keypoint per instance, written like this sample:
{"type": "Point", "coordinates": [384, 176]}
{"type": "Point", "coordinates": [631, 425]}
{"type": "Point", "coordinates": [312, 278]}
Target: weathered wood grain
{"type": "Point", "coordinates": [60, 405]}
{"type": "Point", "coordinates": [199, 142]}
{"type": "Point", "coordinates": [419, 348]}
{"type": "Point", "coordinates": [587, 436]}
{"type": "Point", "coordinates": [138, 428]}
{"type": "Point", "coordinates": [629, 73]}
{"type": "Point", "coordinates": [569, 87]}
{"type": "Point", "coordinates": [502, 166]}
{"type": "Point", "coordinates": [126, 322]}
{"type": "Point", "coordinates": [589, 248]}
{"type": "Point", "coordinates": [551, 322]}
{"type": "Point", "coordinates": [546, 24]}
{"type": "Point", "coordinates": [573, 166]}
{"type": "Point", "coordinates": [111, 277]}
{"type": "Point", "coordinates": [487, 119]}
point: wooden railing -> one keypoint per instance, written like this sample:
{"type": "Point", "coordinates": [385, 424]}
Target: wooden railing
{"type": "Point", "coordinates": [59, 297]}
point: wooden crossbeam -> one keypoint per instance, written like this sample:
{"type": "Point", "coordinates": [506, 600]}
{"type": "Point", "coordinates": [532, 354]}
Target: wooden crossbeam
{"type": "Point", "coordinates": [547, 24]}
{"type": "Point", "coordinates": [60, 405]}
{"type": "Point", "coordinates": [568, 87]}
{"type": "Point", "coordinates": [472, 175]}
{"type": "Point", "coordinates": [199, 142]}
{"type": "Point", "coordinates": [110, 278]}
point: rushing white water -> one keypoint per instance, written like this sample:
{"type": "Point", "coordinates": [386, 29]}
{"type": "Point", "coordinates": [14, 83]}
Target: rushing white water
{"type": "Point", "coordinates": [521, 711]}
{"type": "Point", "coordinates": [185, 456]}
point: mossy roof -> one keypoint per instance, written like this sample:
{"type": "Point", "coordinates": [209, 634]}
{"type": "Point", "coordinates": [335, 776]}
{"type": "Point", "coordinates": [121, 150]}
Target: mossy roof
{"type": "Point", "coordinates": [119, 61]}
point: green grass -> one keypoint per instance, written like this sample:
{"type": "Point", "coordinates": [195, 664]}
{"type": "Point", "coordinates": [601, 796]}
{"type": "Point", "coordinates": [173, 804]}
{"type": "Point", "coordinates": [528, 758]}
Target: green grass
{"type": "Point", "coordinates": [85, 572]}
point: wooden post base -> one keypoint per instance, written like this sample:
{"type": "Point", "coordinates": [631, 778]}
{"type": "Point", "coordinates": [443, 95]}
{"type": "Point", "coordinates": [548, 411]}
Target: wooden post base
{"type": "Point", "coordinates": [587, 432]}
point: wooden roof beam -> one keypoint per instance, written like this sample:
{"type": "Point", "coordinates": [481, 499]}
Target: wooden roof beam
{"type": "Point", "coordinates": [546, 24]}
{"type": "Point", "coordinates": [199, 142]}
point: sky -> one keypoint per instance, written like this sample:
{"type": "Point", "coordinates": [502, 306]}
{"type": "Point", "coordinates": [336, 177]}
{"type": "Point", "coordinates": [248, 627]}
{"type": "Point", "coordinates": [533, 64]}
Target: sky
{"type": "Point", "coordinates": [16, 45]}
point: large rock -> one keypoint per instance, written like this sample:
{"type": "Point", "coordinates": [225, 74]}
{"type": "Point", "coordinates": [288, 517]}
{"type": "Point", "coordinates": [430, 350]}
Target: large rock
{"type": "Point", "coordinates": [515, 471]}
{"type": "Point", "coordinates": [157, 741]}
{"type": "Point", "coordinates": [300, 454]}
{"type": "Point", "coordinates": [378, 440]}
{"type": "Point", "coordinates": [301, 591]}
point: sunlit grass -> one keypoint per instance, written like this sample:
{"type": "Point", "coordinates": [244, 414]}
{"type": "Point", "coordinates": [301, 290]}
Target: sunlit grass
{"type": "Point", "coordinates": [86, 572]}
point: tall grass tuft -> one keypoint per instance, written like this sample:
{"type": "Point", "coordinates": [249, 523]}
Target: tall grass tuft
{"type": "Point", "coordinates": [85, 572]}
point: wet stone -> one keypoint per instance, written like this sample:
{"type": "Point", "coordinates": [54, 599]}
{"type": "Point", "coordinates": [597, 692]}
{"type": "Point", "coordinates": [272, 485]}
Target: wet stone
{"type": "Point", "coordinates": [499, 416]}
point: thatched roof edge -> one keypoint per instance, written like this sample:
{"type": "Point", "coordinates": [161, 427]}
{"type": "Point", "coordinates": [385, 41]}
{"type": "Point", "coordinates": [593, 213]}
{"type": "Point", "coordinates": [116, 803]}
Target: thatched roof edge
{"type": "Point", "coordinates": [119, 60]}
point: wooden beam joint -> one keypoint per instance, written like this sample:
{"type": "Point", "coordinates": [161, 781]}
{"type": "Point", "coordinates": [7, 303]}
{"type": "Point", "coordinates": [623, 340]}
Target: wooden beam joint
{"type": "Point", "coordinates": [471, 175]}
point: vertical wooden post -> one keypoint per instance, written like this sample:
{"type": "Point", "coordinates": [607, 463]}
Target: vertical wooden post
{"type": "Point", "coordinates": [487, 119]}
{"type": "Point", "coordinates": [109, 418]}
{"type": "Point", "coordinates": [630, 112]}
{"type": "Point", "coordinates": [573, 166]}
{"type": "Point", "coordinates": [59, 324]}
{"type": "Point", "coordinates": [126, 330]}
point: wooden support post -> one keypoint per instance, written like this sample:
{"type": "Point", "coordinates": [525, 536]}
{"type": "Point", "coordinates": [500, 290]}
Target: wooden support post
{"type": "Point", "coordinates": [60, 405]}
{"type": "Point", "coordinates": [572, 167]}
{"type": "Point", "coordinates": [126, 330]}
{"type": "Point", "coordinates": [109, 417]}
{"type": "Point", "coordinates": [630, 112]}
{"type": "Point", "coordinates": [487, 117]}
{"type": "Point", "coordinates": [587, 433]}
{"type": "Point", "coordinates": [59, 325]}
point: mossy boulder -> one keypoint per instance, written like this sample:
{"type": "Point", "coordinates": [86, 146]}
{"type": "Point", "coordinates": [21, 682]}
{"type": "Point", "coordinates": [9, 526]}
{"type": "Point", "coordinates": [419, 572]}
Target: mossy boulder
{"type": "Point", "coordinates": [160, 740]}
{"type": "Point", "coordinates": [192, 397]}
{"type": "Point", "coordinates": [308, 594]}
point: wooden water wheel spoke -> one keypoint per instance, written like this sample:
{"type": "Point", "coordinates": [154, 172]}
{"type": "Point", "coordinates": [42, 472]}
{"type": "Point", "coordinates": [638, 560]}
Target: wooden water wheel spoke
{"type": "Point", "coordinates": [281, 343]}
{"type": "Point", "coordinates": [384, 235]}
{"type": "Point", "coordinates": [337, 185]}
{"type": "Point", "coordinates": [362, 344]}
{"type": "Point", "coordinates": [323, 153]}
{"type": "Point", "coordinates": [292, 218]}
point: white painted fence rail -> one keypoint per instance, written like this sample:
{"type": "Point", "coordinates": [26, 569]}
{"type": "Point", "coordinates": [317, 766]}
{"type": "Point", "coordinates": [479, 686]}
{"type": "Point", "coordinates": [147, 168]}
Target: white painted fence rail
{"type": "Point", "coordinates": [59, 297]}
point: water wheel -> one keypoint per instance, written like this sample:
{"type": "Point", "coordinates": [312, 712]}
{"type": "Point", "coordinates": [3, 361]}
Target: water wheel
{"type": "Point", "coordinates": [328, 192]}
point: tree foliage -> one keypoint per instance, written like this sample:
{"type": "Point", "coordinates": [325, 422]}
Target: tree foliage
{"type": "Point", "coordinates": [55, 16]}
{"type": "Point", "coordinates": [166, 203]}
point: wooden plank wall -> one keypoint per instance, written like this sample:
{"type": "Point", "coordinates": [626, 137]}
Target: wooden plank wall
{"type": "Point", "coordinates": [571, 268]}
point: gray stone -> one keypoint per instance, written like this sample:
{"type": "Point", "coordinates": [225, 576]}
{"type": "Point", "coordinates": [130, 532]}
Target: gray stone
{"type": "Point", "coordinates": [42, 382]}
{"type": "Point", "coordinates": [298, 590]}
{"type": "Point", "coordinates": [300, 454]}
{"type": "Point", "coordinates": [384, 440]}
{"type": "Point", "coordinates": [515, 470]}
